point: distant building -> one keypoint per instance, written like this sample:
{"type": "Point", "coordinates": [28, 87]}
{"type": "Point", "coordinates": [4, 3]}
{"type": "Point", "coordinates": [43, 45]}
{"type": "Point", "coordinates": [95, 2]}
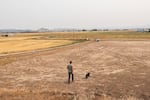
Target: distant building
{"type": "Point", "coordinates": [143, 30]}
{"type": "Point", "coordinates": [140, 30]}
{"type": "Point", "coordinates": [43, 30]}
{"type": "Point", "coordinates": [147, 30]}
{"type": "Point", "coordinates": [105, 29]}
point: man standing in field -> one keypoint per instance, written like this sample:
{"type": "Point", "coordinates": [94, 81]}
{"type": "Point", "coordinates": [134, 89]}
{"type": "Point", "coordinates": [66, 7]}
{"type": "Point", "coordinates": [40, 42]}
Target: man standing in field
{"type": "Point", "coordinates": [70, 71]}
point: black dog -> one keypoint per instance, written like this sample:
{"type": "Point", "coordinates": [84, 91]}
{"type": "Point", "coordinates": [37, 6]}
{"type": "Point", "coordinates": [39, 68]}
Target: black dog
{"type": "Point", "coordinates": [87, 75]}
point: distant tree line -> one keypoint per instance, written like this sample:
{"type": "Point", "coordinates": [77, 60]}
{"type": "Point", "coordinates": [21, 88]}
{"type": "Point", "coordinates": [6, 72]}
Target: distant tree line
{"type": "Point", "coordinates": [92, 30]}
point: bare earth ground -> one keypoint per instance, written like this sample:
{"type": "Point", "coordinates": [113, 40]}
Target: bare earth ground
{"type": "Point", "coordinates": [118, 69]}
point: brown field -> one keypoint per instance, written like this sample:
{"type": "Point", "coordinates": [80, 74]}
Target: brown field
{"type": "Point", "coordinates": [120, 70]}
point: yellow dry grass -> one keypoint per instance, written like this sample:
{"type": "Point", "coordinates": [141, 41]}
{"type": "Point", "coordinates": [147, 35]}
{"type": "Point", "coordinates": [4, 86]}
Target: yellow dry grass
{"type": "Point", "coordinates": [17, 44]}
{"type": "Point", "coordinates": [32, 41]}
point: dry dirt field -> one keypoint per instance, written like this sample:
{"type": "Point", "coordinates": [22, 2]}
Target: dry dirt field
{"type": "Point", "coordinates": [119, 70]}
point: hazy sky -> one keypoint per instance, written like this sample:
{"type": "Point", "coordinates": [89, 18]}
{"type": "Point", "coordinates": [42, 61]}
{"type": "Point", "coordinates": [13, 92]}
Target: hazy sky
{"type": "Point", "coordinates": [33, 14]}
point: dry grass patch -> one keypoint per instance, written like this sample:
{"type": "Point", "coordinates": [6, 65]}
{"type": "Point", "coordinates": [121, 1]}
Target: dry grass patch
{"type": "Point", "coordinates": [17, 44]}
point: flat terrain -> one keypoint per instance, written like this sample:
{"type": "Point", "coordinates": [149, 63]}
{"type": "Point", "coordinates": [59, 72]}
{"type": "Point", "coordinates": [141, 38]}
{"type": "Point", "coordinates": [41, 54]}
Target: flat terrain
{"type": "Point", "coordinates": [15, 44]}
{"type": "Point", "coordinates": [119, 69]}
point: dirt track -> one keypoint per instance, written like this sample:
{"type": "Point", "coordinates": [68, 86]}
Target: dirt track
{"type": "Point", "coordinates": [118, 69]}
